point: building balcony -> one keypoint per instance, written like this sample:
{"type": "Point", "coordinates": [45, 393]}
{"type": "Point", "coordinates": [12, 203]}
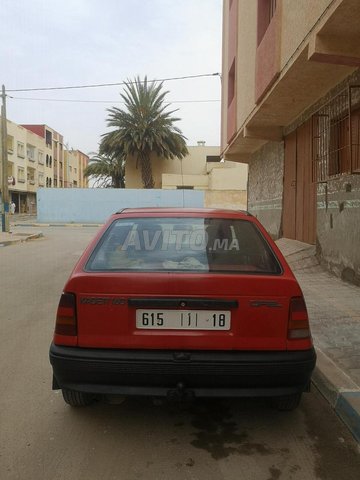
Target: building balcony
{"type": "Point", "coordinates": [328, 54]}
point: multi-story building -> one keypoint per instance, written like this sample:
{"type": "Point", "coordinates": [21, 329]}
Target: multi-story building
{"type": "Point", "coordinates": [36, 159]}
{"type": "Point", "coordinates": [55, 142]}
{"type": "Point", "coordinates": [291, 110]}
{"type": "Point", "coordinates": [224, 183]}
{"type": "Point", "coordinates": [75, 163]}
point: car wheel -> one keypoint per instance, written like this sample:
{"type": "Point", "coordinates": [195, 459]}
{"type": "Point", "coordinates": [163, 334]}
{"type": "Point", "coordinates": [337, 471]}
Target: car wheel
{"type": "Point", "coordinates": [287, 402]}
{"type": "Point", "coordinates": [77, 399]}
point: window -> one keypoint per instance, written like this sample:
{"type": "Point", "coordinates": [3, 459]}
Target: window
{"type": "Point", "coordinates": [339, 154]}
{"type": "Point", "coordinates": [231, 84]}
{"type": "Point", "coordinates": [20, 150]}
{"type": "Point", "coordinates": [10, 169]}
{"type": "Point", "coordinates": [213, 158]}
{"type": "Point", "coordinates": [266, 11]}
{"type": "Point", "coordinates": [30, 152]}
{"type": "Point", "coordinates": [41, 179]}
{"type": "Point", "coordinates": [75, 170]}
{"type": "Point", "coordinates": [50, 161]}
{"type": "Point", "coordinates": [31, 176]}
{"type": "Point", "coordinates": [185, 187]}
{"type": "Point", "coordinates": [184, 244]}
{"type": "Point", "coordinates": [21, 175]}
{"type": "Point", "coordinates": [336, 136]}
{"type": "Point", "coordinates": [55, 182]}
{"type": "Point", "coordinates": [48, 138]}
{"type": "Point", "coordinates": [70, 168]}
{"type": "Point", "coordinates": [41, 157]}
{"type": "Point", "coordinates": [10, 144]}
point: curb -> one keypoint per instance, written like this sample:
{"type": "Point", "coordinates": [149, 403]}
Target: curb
{"type": "Point", "coordinates": [57, 224]}
{"type": "Point", "coordinates": [27, 237]}
{"type": "Point", "coordinates": [339, 390]}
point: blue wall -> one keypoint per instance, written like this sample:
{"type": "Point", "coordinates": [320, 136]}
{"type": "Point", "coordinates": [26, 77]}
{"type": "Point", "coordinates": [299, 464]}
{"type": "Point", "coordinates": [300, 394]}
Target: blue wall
{"type": "Point", "coordinates": [95, 205]}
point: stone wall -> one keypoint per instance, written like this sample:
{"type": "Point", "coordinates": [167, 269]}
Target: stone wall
{"type": "Point", "coordinates": [338, 227]}
{"type": "Point", "coordinates": [265, 186]}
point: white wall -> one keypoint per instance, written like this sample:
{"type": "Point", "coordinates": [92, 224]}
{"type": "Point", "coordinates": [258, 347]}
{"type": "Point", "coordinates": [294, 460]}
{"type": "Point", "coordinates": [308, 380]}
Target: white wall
{"type": "Point", "coordinates": [95, 205]}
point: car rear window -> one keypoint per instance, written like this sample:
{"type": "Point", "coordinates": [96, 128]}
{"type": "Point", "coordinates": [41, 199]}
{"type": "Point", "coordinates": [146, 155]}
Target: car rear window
{"type": "Point", "coordinates": [183, 244]}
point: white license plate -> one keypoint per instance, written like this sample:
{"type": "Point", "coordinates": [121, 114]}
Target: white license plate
{"type": "Point", "coordinates": [183, 319]}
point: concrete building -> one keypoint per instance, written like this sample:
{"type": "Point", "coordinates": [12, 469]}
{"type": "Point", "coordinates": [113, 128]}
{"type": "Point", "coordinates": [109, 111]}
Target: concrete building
{"type": "Point", "coordinates": [224, 182]}
{"type": "Point", "coordinates": [74, 164]}
{"type": "Point", "coordinates": [36, 160]}
{"type": "Point", "coordinates": [55, 142]}
{"type": "Point", "coordinates": [291, 110]}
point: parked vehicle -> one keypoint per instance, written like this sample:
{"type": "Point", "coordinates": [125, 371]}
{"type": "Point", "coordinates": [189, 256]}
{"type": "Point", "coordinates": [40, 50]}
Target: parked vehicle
{"type": "Point", "coordinates": [180, 303]}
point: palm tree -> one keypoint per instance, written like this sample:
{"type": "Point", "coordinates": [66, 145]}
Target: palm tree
{"type": "Point", "coordinates": [144, 127]}
{"type": "Point", "coordinates": [108, 169]}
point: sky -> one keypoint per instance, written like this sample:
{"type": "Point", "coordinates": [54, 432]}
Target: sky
{"type": "Point", "coordinates": [80, 42]}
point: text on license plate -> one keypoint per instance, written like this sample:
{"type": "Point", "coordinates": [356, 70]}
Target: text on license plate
{"type": "Point", "coordinates": [183, 319]}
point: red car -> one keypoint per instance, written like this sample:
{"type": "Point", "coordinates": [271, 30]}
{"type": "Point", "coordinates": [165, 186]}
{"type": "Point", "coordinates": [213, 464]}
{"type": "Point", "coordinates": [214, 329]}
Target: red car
{"type": "Point", "coordinates": [181, 303]}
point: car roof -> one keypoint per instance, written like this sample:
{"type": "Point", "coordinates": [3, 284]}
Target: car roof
{"type": "Point", "coordinates": [178, 210]}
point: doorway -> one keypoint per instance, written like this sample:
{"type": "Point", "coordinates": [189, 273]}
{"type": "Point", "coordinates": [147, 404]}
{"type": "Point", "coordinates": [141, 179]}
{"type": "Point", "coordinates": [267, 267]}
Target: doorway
{"type": "Point", "coordinates": [299, 208]}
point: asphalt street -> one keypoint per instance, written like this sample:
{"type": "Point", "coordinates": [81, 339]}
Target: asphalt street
{"type": "Point", "coordinates": [43, 438]}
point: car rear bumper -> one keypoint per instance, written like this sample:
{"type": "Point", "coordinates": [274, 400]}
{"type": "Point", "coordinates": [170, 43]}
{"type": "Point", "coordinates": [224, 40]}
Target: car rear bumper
{"type": "Point", "coordinates": [168, 372]}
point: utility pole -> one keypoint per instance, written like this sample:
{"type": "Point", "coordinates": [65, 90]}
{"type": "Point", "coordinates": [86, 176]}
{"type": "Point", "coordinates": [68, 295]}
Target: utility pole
{"type": "Point", "coordinates": [4, 167]}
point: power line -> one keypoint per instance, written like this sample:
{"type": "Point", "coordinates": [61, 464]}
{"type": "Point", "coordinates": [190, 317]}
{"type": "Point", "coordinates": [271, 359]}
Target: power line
{"type": "Point", "coordinates": [71, 87]}
{"type": "Point", "coordinates": [101, 101]}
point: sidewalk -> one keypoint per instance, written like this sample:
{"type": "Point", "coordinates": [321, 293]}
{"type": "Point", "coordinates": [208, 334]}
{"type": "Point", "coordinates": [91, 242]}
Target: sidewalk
{"type": "Point", "coordinates": [12, 238]}
{"type": "Point", "coordinates": [334, 310]}
{"type": "Point", "coordinates": [16, 235]}
{"type": "Point", "coordinates": [27, 220]}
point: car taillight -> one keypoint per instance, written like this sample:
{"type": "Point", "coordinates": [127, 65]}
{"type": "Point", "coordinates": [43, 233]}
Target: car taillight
{"type": "Point", "coordinates": [66, 315]}
{"type": "Point", "coordinates": [298, 326]}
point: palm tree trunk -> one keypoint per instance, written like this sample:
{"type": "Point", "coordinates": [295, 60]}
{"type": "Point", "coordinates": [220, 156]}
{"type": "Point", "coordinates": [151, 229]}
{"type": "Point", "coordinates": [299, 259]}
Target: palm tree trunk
{"type": "Point", "coordinates": [146, 171]}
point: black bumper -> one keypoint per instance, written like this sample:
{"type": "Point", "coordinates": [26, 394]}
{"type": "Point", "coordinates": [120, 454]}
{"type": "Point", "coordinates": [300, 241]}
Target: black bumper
{"type": "Point", "coordinates": [203, 373]}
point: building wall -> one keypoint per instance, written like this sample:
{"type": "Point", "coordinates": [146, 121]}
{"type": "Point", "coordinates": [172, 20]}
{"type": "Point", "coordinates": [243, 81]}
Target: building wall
{"type": "Point", "coordinates": [227, 176]}
{"type": "Point", "coordinates": [338, 227]}
{"type": "Point", "coordinates": [244, 55]}
{"type": "Point", "coordinates": [305, 55]}
{"type": "Point", "coordinates": [338, 206]}
{"type": "Point", "coordinates": [228, 180]}
{"type": "Point", "coordinates": [232, 199]}
{"type": "Point", "coordinates": [265, 186]}
{"type": "Point", "coordinates": [298, 18]}
{"type": "Point", "coordinates": [192, 164]}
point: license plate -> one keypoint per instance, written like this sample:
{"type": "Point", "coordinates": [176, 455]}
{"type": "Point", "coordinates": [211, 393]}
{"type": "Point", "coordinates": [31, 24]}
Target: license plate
{"type": "Point", "coordinates": [183, 319]}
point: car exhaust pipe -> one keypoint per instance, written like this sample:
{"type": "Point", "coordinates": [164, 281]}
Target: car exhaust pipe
{"type": "Point", "coordinates": [180, 393]}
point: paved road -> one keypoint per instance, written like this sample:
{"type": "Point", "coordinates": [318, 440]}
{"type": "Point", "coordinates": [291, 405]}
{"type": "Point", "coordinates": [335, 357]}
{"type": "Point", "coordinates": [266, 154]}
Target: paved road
{"type": "Point", "coordinates": [42, 438]}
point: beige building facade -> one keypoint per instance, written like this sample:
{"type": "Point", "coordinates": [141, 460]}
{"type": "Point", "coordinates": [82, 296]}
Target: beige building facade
{"type": "Point", "coordinates": [291, 110]}
{"type": "Point", "coordinates": [75, 163]}
{"type": "Point", "coordinates": [224, 182]}
{"type": "Point", "coordinates": [36, 159]}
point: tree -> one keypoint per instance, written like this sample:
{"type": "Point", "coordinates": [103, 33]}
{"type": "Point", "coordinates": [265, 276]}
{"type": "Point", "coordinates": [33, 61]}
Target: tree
{"type": "Point", "coordinates": [108, 169]}
{"type": "Point", "coordinates": [144, 127]}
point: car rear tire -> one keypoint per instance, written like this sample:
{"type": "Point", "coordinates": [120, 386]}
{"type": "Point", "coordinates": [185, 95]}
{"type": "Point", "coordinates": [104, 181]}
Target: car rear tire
{"type": "Point", "coordinates": [287, 403]}
{"type": "Point", "coordinates": [77, 399]}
